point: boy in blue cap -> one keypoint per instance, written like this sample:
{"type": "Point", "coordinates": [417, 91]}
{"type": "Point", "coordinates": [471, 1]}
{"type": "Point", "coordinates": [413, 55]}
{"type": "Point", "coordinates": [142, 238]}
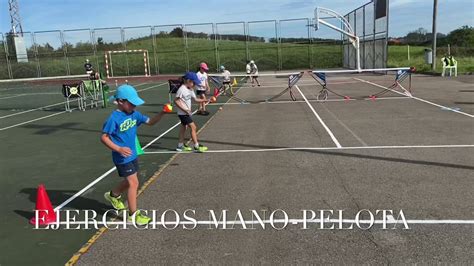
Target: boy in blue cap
{"type": "Point", "coordinates": [119, 133]}
{"type": "Point", "coordinates": [183, 101]}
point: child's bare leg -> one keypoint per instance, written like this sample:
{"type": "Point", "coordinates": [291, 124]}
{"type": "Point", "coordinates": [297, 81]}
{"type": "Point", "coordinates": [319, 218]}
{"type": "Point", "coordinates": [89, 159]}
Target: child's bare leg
{"type": "Point", "coordinates": [203, 105]}
{"type": "Point", "coordinates": [182, 131]}
{"type": "Point", "coordinates": [193, 128]}
{"type": "Point", "coordinates": [120, 188]}
{"type": "Point", "coordinates": [258, 83]}
{"type": "Point", "coordinates": [132, 192]}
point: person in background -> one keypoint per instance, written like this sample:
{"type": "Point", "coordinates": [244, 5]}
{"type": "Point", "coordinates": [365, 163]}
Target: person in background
{"type": "Point", "coordinates": [254, 73]}
{"type": "Point", "coordinates": [248, 69]}
{"type": "Point", "coordinates": [184, 95]}
{"type": "Point", "coordinates": [225, 78]}
{"type": "Point", "coordinates": [202, 88]}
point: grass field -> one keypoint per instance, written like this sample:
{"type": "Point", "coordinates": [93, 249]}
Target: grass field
{"type": "Point", "coordinates": [172, 56]}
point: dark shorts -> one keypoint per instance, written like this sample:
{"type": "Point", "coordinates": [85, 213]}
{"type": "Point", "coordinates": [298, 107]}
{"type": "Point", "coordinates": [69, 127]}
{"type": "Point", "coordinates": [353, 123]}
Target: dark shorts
{"type": "Point", "coordinates": [199, 93]}
{"type": "Point", "coordinates": [127, 169]}
{"type": "Point", "coordinates": [226, 82]}
{"type": "Point", "coordinates": [185, 119]}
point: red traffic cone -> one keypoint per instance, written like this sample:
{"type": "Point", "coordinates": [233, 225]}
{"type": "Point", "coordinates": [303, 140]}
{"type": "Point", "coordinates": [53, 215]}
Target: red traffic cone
{"type": "Point", "coordinates": [46, 214]}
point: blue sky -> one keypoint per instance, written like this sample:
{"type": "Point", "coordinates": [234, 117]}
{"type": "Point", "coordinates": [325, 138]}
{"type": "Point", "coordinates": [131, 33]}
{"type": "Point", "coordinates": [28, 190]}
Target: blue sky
{"type": "Point", "coordinates": [41, 15]}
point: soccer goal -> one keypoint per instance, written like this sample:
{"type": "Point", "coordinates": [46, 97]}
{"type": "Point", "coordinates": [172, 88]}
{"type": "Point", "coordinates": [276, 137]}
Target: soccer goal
{"type": "Point", "coordinates": [109, 60]}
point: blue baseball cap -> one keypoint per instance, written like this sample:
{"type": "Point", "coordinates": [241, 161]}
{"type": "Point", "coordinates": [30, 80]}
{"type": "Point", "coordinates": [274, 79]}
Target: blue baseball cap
{"type": "Point", "coordinates": [192, 76]}
{"type": "Point", "coordinates": [127, 92]}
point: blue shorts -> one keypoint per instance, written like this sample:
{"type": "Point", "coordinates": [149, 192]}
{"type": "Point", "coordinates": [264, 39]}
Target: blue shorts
{"type": "Point", "coordinates": [200, 92]}
{"type": "Point", "coordinates": [127, 169]}
{"type": "Point", "coordinates": [185, 119]}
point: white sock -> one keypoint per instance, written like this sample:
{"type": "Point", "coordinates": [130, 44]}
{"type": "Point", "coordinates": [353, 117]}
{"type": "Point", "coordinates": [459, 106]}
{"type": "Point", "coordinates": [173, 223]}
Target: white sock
{"type": "Point", "coordinates": [196, 145]}
{"type": "Point", "coordinates": [180, 144]}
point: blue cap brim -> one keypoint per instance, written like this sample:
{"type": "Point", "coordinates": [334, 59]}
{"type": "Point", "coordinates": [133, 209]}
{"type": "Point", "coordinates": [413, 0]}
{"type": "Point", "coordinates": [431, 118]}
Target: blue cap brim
{"type": "Point", "coordinates": [136, 101]}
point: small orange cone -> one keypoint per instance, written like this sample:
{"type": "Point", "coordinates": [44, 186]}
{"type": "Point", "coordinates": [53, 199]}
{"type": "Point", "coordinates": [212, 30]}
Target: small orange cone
{"type": "Point", "coordinates": [44, 208]}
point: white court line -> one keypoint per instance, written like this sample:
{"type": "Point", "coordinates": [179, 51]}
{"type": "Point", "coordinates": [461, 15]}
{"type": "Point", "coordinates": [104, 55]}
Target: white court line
{"type": "Point", "coordinates": [319, 101]}
{"type": "Point", "coordinates": [319, 118]}
{"type": "Point", "coordinates": [51, 105]}
{"type": "Point", "coordinates": [97, 180]}
{"type": "Point", "coordinates": [361, 141]}
{"type": "Point", "coordinates": [62, 205]}
{"type": "Point", "coordinates": [33, 120]}
{"type": "Point", "coordinates": [416, 98]}
{"type": "Point", "coordinates": [325, 148]}
{"type": "Point", "coordinates": [62, 112]}
{"type": "Point", "coordinates": [283, 221]}
{"type": "Point", "coordinates": [13, 96]}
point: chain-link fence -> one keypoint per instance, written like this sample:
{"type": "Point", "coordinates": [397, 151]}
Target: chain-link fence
{"type": "Point", "coordinates": [273, 44]}
{"type": "Point", "coordinates": [370, 23]}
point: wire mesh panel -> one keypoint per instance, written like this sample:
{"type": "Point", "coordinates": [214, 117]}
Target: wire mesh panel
{"type": "Point", "coordinates": [51, 54]}
{"type": "Point", "coordinates": [370, 23]}
{"type": "Point", "coordinates": [232, 45]}
{"type": "Point", "coordinates": [351, 51]}
{"type": "Point", "coordinates": [4, 71]}
{"type": "Point", "coordinates": [295, 44]}
{"type": "Point", "coordinates": [201, 45]}
{"type": "Point", "coordinates": [79, 46]}
{"type": "Point", "coordinates": [110, 39]}
{"type": "Point", "coordinates": [23, 69]}
{"type": "Point", "coordinates": [170, 49]}
{"type": "Point", "coordinates": [262, 46]}
{"type": "Point", "coordinates": [138, 38]}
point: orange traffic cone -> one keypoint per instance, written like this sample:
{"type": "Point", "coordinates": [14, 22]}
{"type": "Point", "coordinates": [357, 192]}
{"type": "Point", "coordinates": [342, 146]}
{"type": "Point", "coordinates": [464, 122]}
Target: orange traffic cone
{"type": "Point", "coordinates": [46, 214]}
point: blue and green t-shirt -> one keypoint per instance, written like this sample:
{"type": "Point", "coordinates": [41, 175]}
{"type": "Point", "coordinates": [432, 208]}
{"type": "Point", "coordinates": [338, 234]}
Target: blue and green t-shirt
{"type": "Point", "coordinates": [122, 129]}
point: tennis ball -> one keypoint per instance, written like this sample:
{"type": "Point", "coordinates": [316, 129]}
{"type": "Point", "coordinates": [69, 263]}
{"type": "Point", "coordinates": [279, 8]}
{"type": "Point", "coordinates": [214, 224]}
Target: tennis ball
{"type": "Point", "coordinates": [220, 108]}
{"type": "Point", "coordinates": [168, 108]}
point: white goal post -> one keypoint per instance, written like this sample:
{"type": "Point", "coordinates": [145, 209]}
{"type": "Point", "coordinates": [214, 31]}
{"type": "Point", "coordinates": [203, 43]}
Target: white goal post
{"type": "Point", "coordinates": [109, 65]}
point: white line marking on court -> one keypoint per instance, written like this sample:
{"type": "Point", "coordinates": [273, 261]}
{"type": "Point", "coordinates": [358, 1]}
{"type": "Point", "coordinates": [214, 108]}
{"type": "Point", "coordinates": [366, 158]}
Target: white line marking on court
{"type": "Point", "coordinates": [319, 118]}
{"type": "Point", "coordinates": [319, 101]}
{"type": "Point", "coordinates": [98, 179]}
{"type": "Point", "coordinates": [13, 96]}
{"type": "Point", "coordinates": [33, 120]}
{"type": "Point", "coordinates": [346, 127]}
{"type": "Point", "coordinates": [58, 113]}
{"type": "Point", "coordinates": [325, 148]}
{"type": "Point", "coordinates": [55, 104]}
{"type": "Point", "coordinates": [416, 98]}
{"type": "Point", "coordinates": [113, 168]}
{"type": "Point", "coordinates": [283, 221]}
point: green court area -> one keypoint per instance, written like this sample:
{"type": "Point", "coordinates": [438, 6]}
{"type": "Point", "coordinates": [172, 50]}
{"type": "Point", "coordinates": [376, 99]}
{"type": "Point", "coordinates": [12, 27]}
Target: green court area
{"type": "Point", "coordinates": [62, 150]}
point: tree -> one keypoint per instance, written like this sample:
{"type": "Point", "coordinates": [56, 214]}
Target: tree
{"type": "Point", "coordinates": [176, 32]}
{"type": "Point", "coordinates": [463, 36]}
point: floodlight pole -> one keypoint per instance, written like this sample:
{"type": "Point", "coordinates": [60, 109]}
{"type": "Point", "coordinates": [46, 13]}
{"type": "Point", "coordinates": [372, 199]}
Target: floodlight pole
{"type": "Point", "coordinates": [434, 37]}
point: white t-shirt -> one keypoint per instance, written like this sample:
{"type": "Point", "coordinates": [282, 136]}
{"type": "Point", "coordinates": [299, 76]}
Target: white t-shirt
{"type": "Point", "coordinates": [254, 69]}
{"type": "Point", "coordinates": [203, 78]}
{"type": "Point", "coordinates": [226, 75]}
{"type": "Point", "coordinates": [186, 95]}
{"type": "Point", "coordinates": [248, 68]}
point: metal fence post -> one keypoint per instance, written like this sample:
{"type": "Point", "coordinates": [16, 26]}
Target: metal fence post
{"type": "Point", "coordinates": [35, 52]}
{"type": "Point", "coordinates": [185, 39]}
{"type": "Point", "coordinates": [155, 59]}
{"type": "Point", "coordinates": [216, 51]}
{"type": "Point", "coordinates": [61, 36]}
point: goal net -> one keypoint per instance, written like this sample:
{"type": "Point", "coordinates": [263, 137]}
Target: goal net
{"type": "Point", "coordinates": [127, 63]}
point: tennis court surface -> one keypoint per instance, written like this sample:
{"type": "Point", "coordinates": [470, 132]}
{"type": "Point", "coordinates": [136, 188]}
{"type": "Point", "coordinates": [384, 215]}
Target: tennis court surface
{"type": "Point", "coordinates": [292, 153]}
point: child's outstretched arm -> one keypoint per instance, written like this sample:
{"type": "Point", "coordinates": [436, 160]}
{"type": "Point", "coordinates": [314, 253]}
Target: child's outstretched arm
{"type": "Point", "coordinates": [124, 151]}
{"type": "Point", "coordinates": [155, 119]}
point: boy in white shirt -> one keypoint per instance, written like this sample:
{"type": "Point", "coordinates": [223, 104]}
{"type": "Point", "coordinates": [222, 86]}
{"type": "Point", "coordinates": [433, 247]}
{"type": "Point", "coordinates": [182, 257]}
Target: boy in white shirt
{"type": "Point", "coordinates": [254, 73]}
{"type": "Point", "coordinates": [183, 101]}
